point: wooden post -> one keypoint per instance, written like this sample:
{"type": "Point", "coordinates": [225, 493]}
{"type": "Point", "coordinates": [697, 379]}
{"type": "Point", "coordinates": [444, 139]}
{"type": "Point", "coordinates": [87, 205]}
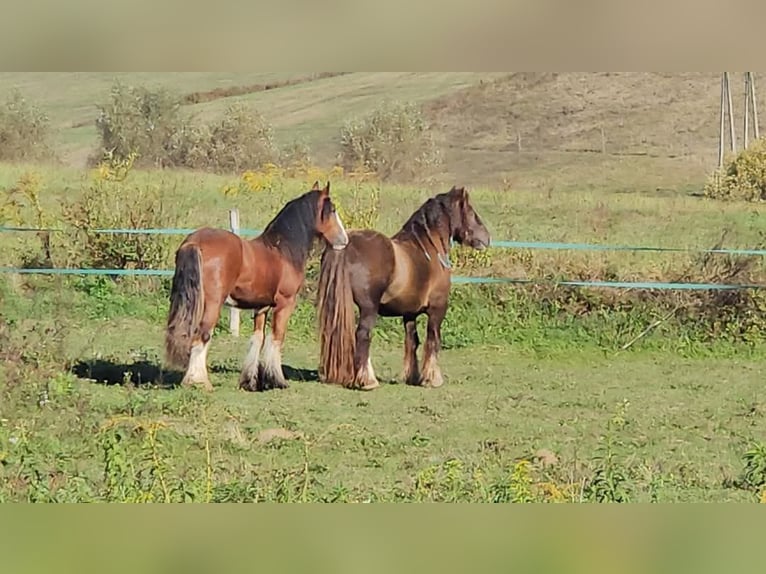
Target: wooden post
{"type": "Point", "coordinates": [721, 130]}
{"type": "Point", "coordinates": [233, 312]}
{"type": "Point", "coordinates": [732, 134]}
{"type": "Point", "coordinates": [751, 83]}
{"type": "Point", "coordinates": [747, 111]}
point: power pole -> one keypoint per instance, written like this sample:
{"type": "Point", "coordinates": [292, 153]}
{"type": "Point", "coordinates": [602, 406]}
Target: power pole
{"type": "Point", "coordinates": [754, 106]}
{"type": "Point", "coordinates": [751, 114]}
{"type": "Point", "coordinates": [746, 138]}
{"type": "Point", "coordinates": [725, 99]}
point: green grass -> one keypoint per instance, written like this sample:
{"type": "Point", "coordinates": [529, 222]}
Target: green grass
{"type": "Point", "coordinates": [680, 438]}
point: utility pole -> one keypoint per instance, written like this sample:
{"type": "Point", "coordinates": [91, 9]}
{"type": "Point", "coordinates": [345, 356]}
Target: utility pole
{"type": "Point", "coordinates": [751, 115]}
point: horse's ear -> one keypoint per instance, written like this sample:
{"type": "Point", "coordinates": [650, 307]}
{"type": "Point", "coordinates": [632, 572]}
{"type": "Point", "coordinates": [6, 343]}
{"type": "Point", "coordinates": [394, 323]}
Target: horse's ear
{"type": "Point", "coordinates": [326, 190]}
{"type": "Point", "coordinates": [315, 187]}
{"type": "Point", "coordinates": [460, 192]}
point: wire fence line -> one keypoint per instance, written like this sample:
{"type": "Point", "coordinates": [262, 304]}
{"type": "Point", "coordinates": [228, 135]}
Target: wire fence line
{"type": "Point", "coordinates": [507, 244]}
{"type": "Point", "coordinates": [457, 279]}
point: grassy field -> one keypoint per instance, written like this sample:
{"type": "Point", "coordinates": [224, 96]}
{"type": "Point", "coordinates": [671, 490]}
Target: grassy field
{"type": "Point", "coordinates": [669, 419]}
{"type": "Point", "coordinates": [552, 394]}
{"type": "Point", "coordinates": [87, 414]}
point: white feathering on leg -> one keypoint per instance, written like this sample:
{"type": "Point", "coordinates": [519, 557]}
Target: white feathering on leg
{"type": "Point", "coordinates": [250, 366]}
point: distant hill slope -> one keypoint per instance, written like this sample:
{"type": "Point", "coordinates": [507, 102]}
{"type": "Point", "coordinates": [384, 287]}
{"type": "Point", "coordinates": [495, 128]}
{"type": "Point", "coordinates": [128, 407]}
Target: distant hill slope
{"type": "Point", "coordinates": [310, 106]}
{"type": "Point", "coordinates": [659, 129]}
{"type": "Point", "coordinates": [665, 124]}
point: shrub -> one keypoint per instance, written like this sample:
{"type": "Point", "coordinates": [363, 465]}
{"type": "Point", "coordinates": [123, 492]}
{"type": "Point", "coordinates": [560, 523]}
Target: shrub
{"type": "Point", "coordinates": [142, 122]}
{"type": "Point", "coordinates": [743, 178]}
{"type": "Point", "coordinates": [150, 126]}
{"type": "Point", "coordinates": [243, 139]}
{"type": "Point", "coordinates": [110, 202]}
{"type": "Point", "coordinates": [296, 156]}
{"type": "Point", "coordinates": [20, 205]}
{"type": "Point", "coordinates": [394, 142]}
{"type": "Point", "coordinates": [753, 476]}
{"type": "Point", "coordinates": [24, 131]}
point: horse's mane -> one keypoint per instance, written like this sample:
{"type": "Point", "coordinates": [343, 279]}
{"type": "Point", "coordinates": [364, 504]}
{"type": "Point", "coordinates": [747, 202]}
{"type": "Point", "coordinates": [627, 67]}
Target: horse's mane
{"type": "Point", "coordinates": [292, 230]}
{"type": "Point", "coordinates": [431, 216]}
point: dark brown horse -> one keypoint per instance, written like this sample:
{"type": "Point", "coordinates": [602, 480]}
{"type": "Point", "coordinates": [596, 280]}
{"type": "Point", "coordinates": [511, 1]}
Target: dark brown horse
{"type": "Point", "coordinates": [402, 276]}
{"type": "Point", "coordinates": [216, 267]}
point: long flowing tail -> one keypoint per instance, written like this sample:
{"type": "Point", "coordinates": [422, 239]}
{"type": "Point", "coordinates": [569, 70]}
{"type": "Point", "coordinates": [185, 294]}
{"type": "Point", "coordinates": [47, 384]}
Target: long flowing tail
{"type": "Point", "coordinates": [187, 301]}
{"type": "Point", "coordinates": [336, 320]}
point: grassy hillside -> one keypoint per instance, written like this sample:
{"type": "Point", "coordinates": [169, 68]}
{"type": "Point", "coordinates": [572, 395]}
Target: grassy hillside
{"type": "Point", "coordinates": [659, 128]}
{"type": "Point", "coordinates": [314, 110]}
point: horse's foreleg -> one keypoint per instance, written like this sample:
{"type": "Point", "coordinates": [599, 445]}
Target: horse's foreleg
{"type": "Point", "coordinates": [270, 375]}
{"type": "Point", "coordinates": [248, 380]}
{"type": "Point", "coordinates": [432, 375]}
{"type": "Point", "coordinates": [411, 373]}
{"type": "Point", "coordinates": [365, 375]}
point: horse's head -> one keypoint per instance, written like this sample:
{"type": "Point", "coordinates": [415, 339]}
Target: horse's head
{"type": "Point", "coordinates": [328, 223]}
{"type": "Point", "coordinates": [468, 228]}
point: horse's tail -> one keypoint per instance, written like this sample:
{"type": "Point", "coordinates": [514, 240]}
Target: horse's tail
{"type": "Point", "coordinates": [187, 301]}
{"type": "Point", "coordinates": [336, 320]}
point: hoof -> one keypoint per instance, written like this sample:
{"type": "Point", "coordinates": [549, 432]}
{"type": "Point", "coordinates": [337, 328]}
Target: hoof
{"type": "Point", "coordinates": [269, 380]}
{"type": "Point", "coordinates": [249, 385]}
{"type": "Point", "coordinates": [191, 384]}
{"type": "Point", "coordinates": [369, 386]}
{"type": "Point", "coordinates": [434, 384]}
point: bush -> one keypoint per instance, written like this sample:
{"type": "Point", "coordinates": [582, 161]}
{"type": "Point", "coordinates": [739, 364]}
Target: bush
{"type": "Point", "coordinates": [296, 156]}
{"type": "Point", "coordinates": [24, 131]}
{"type": "Point", "coordinates": [20, 205]}
{"type": "Point", "coordinates": [142, 122]}
{"type": "Point", "coordinates": [243, 139]}
{"type": "Point", "coordinates": [743, 178]}
{"type": "Point", "coordinates": [149, 124]}
{"type": "Point", "coordinates": [109, 202]}
{"type": "Point", "coordinates": [394, 142]}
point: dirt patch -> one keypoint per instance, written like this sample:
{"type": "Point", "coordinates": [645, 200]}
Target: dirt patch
{"type": "Point", "coordinates": [268, 435]}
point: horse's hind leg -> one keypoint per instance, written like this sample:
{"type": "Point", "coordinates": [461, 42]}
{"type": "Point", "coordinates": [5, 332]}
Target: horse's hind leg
{"type": "Point", "coordinates": [411, 373]}
{"type": "Point", "coordinates": [365, 376]}
{"type": "Point", "coordinates": [432, 375]}
{"type": "Point", "coordinates": [248, 380]}
{"type": "Point", "coordinates": [196, 373]}
{"type": "Point", "coordinates": [270, 374]}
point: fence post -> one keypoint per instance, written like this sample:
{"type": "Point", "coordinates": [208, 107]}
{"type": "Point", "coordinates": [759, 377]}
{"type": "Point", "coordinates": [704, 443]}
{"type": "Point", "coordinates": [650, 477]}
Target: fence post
{"type": "Point", "coordinates": [233, 312]}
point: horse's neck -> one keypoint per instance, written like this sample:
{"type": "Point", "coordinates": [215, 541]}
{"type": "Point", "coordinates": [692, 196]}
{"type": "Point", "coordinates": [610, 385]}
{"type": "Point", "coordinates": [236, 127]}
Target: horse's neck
{"type": "Point", "coordinates": [431, 242]}
{"type": "Point", "coordinates": [297, 254]}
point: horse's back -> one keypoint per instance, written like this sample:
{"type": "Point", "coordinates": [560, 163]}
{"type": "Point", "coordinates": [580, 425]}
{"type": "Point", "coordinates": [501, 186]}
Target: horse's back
{"type": "Point", "coordinates": [220, 248]}
{"type": "Point", "coordinates": [369, 257]}
{"type": "Point", "coordinates": [207, 236]}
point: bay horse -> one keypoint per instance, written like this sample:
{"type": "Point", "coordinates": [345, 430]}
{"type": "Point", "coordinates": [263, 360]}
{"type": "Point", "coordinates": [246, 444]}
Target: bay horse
{"type": "Point", "coordinates": [214, 267]}
{"type": "Point", "coordinates": [404, 275]}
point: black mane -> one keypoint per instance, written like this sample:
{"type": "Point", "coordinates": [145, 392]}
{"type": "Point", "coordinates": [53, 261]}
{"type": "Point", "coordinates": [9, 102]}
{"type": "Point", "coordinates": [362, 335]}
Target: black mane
{"type": "Point", "coordinates": [293, 229]}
